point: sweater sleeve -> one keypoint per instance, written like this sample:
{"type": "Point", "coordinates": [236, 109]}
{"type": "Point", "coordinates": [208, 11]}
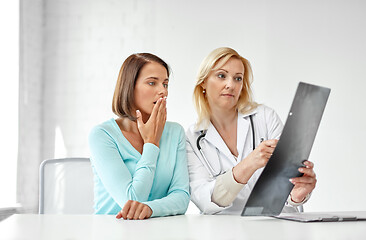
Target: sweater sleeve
{"type": "Point", "coordinates": [114, 174]}
{"type": "Point", "coordinates": [177, 199]}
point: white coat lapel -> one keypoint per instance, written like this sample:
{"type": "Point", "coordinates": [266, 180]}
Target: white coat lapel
{"type": "Point", "coordinates": [242, 135]}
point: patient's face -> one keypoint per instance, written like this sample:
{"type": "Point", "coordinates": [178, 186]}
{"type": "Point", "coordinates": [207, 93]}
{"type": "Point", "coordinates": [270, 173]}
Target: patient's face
{"type": "Point", "coordinates": [151, 84]}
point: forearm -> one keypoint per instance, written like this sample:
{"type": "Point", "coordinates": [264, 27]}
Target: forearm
{"type": "Point", "coordinates": [177, 199]}
{"type": "Point", "coordinates": [242, 172]}
{"type": "Point", "coordinates": [226, 189]}
{"type": "Point", "coordinates": [116, 177]}
{"type": "Point", "coordinates": [142, 179]}
{"type": "Point", "coordinates": [173, 204]}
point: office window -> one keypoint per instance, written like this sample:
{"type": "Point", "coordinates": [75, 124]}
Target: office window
{"type": "Point", "coordinates": [9, 88]}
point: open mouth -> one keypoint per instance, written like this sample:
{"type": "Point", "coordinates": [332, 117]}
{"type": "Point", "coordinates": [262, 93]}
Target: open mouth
{"type": "Point", "coordinates": [158, 100]}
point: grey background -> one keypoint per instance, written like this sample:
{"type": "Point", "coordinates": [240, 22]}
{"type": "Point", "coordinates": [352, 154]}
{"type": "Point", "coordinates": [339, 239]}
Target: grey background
{"type": "Point", "coordinates": [71, 52]}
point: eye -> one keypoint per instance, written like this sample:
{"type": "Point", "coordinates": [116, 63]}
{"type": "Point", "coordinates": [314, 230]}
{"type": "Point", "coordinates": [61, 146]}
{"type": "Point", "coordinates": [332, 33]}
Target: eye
{"type": "Point", "coordinates": [238, 79]}
{"type": "Point", "coordinates": [165, 85]}
{"type": "Point", "coordinates": [151, 83]}
{"type": "Point", "coordinates": [221, 75]}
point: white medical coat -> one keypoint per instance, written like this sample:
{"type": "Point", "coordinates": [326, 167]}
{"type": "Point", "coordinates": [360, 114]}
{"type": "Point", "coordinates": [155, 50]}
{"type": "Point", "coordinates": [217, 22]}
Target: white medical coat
{"type": "Point", "coordinates": [267, 125]}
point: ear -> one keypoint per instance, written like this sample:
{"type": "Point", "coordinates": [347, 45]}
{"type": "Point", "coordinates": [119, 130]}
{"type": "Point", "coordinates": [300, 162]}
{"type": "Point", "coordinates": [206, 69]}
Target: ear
{"type": "Point", "coordinates": [203, 84]}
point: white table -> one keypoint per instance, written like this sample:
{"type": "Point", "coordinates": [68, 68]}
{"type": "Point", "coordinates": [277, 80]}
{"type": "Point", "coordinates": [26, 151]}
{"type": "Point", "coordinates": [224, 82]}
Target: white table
{"type": "Point", "coordinates": [33, 226]}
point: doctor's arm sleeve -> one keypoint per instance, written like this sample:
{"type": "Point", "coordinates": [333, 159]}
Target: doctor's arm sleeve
{"type": "Point", "coordinates": [201, 184]}
{"type": "Point", "coordinates": [177, 199]}
{"type": "Point", "coordinates": [114, 174]}
{"type": "Point", "coordinates": [226, 189]}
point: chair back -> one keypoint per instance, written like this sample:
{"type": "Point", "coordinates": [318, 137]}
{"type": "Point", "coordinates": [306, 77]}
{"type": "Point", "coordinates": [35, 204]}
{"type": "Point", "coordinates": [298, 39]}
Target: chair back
{"type": "Point", "coordinates": [66, 186]}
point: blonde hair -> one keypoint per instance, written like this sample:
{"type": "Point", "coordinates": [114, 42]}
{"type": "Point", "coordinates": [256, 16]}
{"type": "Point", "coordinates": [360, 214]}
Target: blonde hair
{"type": "Point", "coordinates": [245, 103]}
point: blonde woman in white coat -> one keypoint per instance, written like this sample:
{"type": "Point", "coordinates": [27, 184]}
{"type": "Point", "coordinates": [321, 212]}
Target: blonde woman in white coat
{"type": "Point", "coordinates": [224, 159]}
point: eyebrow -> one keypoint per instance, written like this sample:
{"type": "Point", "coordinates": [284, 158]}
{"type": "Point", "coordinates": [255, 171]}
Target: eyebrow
{"type": "Point", "coordinates": [155, 78]}
{"type": "Point", "coordinates": [220, 69]}
{"type": "Point", "coordinates": [228, 72]}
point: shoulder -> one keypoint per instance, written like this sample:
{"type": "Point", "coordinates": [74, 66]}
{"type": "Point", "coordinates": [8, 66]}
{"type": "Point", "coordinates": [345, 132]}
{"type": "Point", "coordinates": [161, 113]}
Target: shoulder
{"type": "Point", "coordinates": [266, 113]}
{"type": "Point", "coordinates": [265, 110]}
{"type": "Point", "coordinates": [192, 133]}
{"type": "Point", "coordinates": [103, 130]}
{"type": "Point", "coordinates": [174, 128]}
{"type": "Point", "coordinates": [270, 121]}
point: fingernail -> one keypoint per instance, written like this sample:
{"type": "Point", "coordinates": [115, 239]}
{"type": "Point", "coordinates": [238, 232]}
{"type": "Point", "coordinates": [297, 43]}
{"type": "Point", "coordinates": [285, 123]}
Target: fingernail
{"type": "Point", "coordinates": [291, 180]}
{"type": "Point", "coordinates": [301, 170]}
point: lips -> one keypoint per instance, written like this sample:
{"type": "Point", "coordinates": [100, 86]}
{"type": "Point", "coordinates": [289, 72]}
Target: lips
{"type": "Point", "coordinates": [227, 95]}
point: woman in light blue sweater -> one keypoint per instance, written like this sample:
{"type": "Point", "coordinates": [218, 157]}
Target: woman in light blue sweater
{"type": "Point", "coordinates": [139, 160]}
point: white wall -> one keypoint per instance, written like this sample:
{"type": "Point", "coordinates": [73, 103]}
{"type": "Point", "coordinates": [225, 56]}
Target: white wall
{"type": "Point", "coordinates": [320, 42]}
{"type": "Point", "coordinates": [30, 103]}
{"type": "Point", "coordinates": [9, 85]}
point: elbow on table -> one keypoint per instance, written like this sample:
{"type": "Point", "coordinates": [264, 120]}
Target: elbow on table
{"type": "Point", "coordinates": [184, 203]}
{"type": "Point", "coordinates": [206, 208]}
{"type": "Point", "coordinates": [187, 199]}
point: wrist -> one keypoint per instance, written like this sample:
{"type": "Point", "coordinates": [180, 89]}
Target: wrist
{"type": "Point", "coordinates": [150, 211]}
{"type": "Point", "coordinates": [296, 200]}
{"type": "Point", "coordinates": [235, 175]}
{"type": "Point", "coordinates": [152, 142]}
{"type": "Point", "coordinates": [242, 174]}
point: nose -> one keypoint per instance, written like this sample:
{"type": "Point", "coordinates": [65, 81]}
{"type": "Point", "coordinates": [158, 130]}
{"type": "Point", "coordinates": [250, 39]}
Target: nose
{"type": "Point", "coordinates": [163, 91]}
{"type": "Point", "coordinates": [229, 83]}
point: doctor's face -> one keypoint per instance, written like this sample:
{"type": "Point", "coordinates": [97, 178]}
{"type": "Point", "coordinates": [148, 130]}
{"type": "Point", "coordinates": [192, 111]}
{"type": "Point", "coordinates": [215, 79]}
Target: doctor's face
{"type": "Point", "coordinates": [223, 86]}
{"type": "Point", "coordinates": [151, 84]}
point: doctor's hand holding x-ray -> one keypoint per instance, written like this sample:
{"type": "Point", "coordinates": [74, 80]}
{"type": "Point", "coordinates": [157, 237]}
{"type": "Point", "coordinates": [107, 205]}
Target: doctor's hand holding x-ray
{"type": "Point", "coordinates": [233, 139]}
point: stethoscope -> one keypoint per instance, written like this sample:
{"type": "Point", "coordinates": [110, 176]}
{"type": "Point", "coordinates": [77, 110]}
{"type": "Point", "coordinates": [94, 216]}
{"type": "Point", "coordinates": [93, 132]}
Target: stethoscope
{"type": "Point", "coordinates": [209, 167]}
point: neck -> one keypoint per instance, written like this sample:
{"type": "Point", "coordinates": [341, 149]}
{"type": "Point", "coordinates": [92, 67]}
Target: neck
{"type": "Point", "coordinates": [127, 125]}
{"type": "Point", "coordinates": [223, 119]}
{"type": "Point", "coordinates": [145, 117]}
